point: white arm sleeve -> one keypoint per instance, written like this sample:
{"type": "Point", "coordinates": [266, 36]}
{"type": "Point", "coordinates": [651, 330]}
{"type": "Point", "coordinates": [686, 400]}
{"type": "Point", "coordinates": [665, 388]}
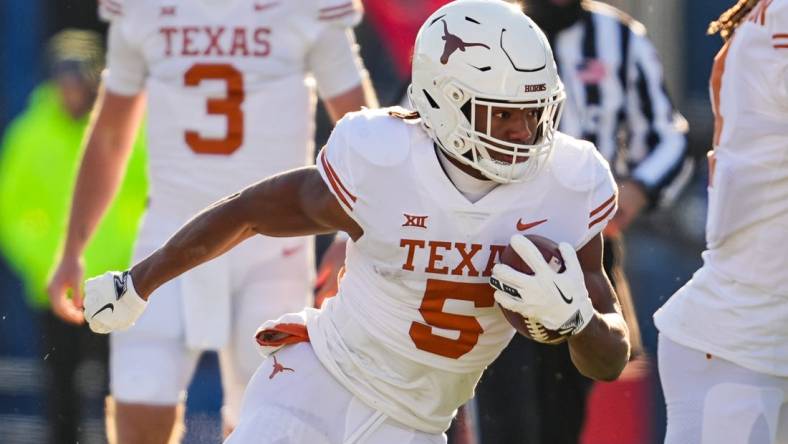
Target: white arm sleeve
{"type": "Point", "coordinates": [126, 68]}
{"type": "Point", "coordinates": [335, 62]}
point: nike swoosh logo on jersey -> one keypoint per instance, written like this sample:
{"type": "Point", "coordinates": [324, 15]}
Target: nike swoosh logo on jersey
{"type": "Point", "coordinates": [567, 300]}
{"type": "Point", "coordinates": [111, 307]}
{"type": "Point", "coordinates": [263, 6]}
{"type": "Point", "coordinates": [290, 251]}
{"type": "Point", "coordinates": [521, 226]}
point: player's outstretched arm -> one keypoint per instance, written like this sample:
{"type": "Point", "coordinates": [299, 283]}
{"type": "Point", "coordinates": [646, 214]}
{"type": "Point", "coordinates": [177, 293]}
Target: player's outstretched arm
{"type": "Point", "coordinates": [110, 139]}
{"type": "Point", "coordinates": [601, 350]}
{"type": "Point", "coordinates": [294, 203]}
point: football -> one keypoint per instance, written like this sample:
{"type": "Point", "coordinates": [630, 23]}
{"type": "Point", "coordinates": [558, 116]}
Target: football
{"type": "Point", "coordinates": [527, 327]}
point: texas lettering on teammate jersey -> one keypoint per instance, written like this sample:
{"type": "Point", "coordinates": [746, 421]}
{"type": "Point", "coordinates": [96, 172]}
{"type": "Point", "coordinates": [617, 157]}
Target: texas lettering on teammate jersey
{"type": "Point", "coordinates": [420, 271]}
{"type": "Point", "coordinates": [195, 41]}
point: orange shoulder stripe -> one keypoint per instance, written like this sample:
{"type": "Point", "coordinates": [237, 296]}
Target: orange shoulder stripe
{"type": "Point", "coordinates": [605, 204]}
{"type": "Point", "coordinates": [113, 7]}
{"type": "Point", "coordinates": [334, 8]}
{"type": "Point", "coordinates": [336, 184]}
{"type": "Point", "coordinates": [603, 216]}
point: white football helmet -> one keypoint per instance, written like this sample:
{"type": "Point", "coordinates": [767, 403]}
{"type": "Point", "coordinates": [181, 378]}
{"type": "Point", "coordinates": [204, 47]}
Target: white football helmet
{"type": "Point", "coordinates": [488, 53]}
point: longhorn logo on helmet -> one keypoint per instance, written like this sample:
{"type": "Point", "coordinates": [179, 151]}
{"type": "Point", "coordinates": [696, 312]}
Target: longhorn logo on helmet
{"type": "Point", "coordinates": [453, 43]}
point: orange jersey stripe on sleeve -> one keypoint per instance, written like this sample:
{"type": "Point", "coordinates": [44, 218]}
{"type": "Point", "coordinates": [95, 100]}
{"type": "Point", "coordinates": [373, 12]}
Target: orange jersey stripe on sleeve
{"type": "Point", "coordinates": [610, 205]}
{"type": "Point", "coordinates": [715, 85]}
{"type": "Point", "coordinates": [334, 12]}
{"type": "Point", "coordinates": [605, 204]}
{"type": "Point", "coordinates": [603, 216]}
{"type": "Point", "coordinates": [335, 183]}
{"type": "Point", "coordinates": [334, 173]}
{"type": "Point", "coordinates": [336, 16]}
{"type": "Point", "coordinates": [335, 8]}
{"type": "Point", "coordinates": [112, 7]}
{"type": "Point", "coordinates": [780, 40]}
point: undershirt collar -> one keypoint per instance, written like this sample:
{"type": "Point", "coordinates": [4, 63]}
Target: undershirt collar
{"type": "Point", "coordinates": [472, 188]}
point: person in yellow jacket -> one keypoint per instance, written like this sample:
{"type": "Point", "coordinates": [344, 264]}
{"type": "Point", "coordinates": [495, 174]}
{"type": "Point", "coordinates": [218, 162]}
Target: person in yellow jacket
{"type": "Point", "coordinates": [40, 154]}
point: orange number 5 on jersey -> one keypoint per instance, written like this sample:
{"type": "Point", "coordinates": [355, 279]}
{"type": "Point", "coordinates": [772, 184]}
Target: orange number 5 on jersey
{"type": "Point", "coordinates": [229, 106]}
{"type": "Point", "coordinates": [431, 309]}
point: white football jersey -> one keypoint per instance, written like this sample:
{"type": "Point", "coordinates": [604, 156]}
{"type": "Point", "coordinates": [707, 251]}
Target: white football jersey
{"type": "Point", "coordinates": [415, 322]}
{"type": "Point", "coordinates": [226, 80]}
{"type": "Point", "coordinates": [735, 306]}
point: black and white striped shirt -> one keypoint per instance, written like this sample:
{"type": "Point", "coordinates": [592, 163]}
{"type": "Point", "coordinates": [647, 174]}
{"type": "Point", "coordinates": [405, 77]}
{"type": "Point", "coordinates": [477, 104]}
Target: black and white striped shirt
{"type": "Point", "coordinates": [616, 99]}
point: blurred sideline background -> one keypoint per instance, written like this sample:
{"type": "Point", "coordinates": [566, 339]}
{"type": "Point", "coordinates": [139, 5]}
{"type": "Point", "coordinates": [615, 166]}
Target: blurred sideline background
{"type": "Point", "coordinates": [663, 248]}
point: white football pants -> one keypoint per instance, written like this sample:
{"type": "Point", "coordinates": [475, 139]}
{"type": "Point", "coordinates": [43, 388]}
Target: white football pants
{"type": "Point", "coordinates": [293, 399]}
{"type": "Point", "coordinates": [714, 401]}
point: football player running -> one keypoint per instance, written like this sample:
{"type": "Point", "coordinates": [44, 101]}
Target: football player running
{"type": "Point", "coordinates": [723, 342]}
{"type": "Point", "coordinates": [430, 198]}
{"type": "Point", "coordinates": [228, 102]}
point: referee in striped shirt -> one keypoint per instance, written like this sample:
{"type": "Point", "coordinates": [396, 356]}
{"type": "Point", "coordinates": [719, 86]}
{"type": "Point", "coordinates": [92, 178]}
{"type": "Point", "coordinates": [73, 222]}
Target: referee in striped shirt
{"type": "Point", "coordinates": [616, 99]}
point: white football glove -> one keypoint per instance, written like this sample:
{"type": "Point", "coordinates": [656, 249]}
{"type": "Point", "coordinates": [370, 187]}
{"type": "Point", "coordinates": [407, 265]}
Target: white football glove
{"type": "Point", "coordinates": [111, 303]}
{"type": "Point", "coordinates": [558, 300]}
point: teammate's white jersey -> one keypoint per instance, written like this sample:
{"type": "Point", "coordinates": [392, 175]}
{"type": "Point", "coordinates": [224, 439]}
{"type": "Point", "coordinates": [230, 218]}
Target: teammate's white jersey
{"type": "Point", "coordinates": [229, 102]}
{"type": "Point", "coordinates": [736, 306]}
{"type": "Point", "coordinates": [415, 322]}
{"type": "Point", "coordinates": [226, 84]}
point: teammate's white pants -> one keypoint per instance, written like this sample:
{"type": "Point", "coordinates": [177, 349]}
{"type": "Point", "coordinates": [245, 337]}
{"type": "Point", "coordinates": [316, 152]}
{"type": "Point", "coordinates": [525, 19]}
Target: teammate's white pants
{"type": "Point", "coordinates": [714, 401]}
{"type": "Point", "coordinates": [293, 399]}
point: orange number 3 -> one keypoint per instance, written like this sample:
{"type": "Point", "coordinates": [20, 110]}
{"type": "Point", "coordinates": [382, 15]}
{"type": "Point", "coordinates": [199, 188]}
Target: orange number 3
{"type": "Point", "coordinates": [435, 296]}
{"type": "Point", "coordinates": [229, 106]}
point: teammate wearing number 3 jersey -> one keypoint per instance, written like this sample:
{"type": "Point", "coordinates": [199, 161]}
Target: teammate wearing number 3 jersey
{"type": "Point", "coordinates": [229, 100]}
{"type": "Point", "coordinates": [430, 199]}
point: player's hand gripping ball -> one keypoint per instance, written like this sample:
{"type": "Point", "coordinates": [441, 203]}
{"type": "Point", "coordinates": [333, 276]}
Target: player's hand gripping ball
{"type": "Point", "coordinates": [548, 306]}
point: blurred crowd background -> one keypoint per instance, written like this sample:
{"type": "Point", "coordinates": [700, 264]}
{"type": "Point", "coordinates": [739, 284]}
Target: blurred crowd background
{"type": "Point", "coordinates": [663, 248]}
